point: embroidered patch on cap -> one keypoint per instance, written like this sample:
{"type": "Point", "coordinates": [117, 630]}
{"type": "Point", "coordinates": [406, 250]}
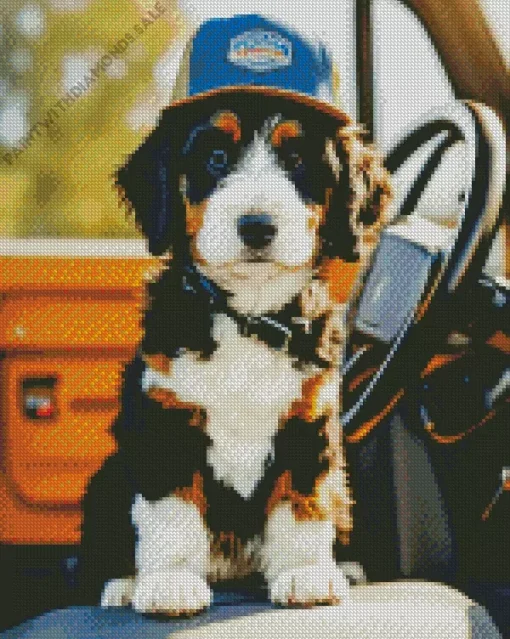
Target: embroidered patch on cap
{"type": "Point", "coordinates": [260, 50]}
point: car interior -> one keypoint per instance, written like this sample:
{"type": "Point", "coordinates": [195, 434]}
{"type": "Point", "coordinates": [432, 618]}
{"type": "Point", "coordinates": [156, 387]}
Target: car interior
{"type": "Point", "coordinates": [426, 377]}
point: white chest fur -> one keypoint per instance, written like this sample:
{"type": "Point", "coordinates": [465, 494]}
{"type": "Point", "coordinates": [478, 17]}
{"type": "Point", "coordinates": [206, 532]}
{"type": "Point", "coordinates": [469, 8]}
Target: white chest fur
{"type": "Point", "coordinates": [245, 388]}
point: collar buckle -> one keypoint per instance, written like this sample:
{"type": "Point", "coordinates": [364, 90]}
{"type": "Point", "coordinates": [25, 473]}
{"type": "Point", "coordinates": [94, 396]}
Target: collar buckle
{"type": "Point", "coordinates": [305, 322]}
{"type": "Point", "coordinates": [248, 325]}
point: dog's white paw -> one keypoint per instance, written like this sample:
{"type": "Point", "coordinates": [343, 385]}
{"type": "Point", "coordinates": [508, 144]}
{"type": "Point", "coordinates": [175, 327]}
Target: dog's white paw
{"type": "Point", "coordinates": [118, 592]}
{"type": "Point", "coordinates": [173, 592]}
{"type": "Point", "coordinates": [308, 585]}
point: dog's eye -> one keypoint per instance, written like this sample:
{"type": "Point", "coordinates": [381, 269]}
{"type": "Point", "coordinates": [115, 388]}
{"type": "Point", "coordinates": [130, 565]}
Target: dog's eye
{"type": "Point", "coordinates": [295, 160]}
{"type": "Point", "coordinates": [290, 154]}
{"type": "Point", "coordinates": [217, 162]}
{"type": "Point", "coordinates": [294, 163]}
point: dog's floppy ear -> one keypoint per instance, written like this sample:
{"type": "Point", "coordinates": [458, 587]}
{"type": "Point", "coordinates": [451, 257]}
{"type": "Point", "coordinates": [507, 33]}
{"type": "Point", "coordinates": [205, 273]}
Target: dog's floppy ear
{"type": "Point", "coordinates": [360, 196]}
{"type": "Point", "coordinates": [148, 183]}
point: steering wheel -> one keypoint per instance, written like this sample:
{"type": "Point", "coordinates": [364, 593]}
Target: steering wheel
{"type": "Point", "coordinates": [396, 349]}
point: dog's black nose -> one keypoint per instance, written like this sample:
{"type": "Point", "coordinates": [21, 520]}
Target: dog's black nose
{"type": "Point", "coordinates": [256, 231]}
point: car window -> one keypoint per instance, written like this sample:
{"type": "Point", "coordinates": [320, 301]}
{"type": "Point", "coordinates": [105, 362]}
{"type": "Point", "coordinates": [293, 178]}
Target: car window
{"type": "Point", "coordinates": [57, 158]}
{"type": "Point", "coordinates": [72, 74]}
{"type": "Point", "coordinates": [59, 185]}
{"type": "Point", "coordinates": [409, 78]}
{"type": "Point", "coordinates": [410, 85]}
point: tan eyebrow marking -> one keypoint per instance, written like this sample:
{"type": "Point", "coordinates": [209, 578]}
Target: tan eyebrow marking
{"type": "Point", "coordinates": [285, 130]}
{"type": "Point", "coordinates": [228, 122]}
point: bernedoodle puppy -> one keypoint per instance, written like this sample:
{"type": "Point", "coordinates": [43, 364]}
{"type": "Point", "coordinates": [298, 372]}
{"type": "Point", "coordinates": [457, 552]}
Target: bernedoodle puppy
{"type": "Point", "coordinates": [257, 195]}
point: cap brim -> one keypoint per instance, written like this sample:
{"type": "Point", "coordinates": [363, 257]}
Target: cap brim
{"type": "Point", "coordinates": [273, 92]}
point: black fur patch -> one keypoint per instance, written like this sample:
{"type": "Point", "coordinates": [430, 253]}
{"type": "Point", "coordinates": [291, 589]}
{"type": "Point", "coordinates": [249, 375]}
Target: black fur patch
{"type": "Point", "coordinates": [208, 156]}
{"type": "Point", "coordinates": [180, 315]}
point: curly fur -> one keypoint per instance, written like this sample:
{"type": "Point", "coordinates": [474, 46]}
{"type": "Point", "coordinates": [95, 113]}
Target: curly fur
{"type": "Point", "coordinates": [208, 389]}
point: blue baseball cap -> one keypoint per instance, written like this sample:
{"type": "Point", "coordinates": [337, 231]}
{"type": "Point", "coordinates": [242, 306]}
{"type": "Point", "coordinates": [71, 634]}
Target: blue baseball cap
{"type": "Point", "coordinates": [249, 53]}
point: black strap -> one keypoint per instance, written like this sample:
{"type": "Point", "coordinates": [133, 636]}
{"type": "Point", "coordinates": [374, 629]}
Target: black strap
{"type": "Point", "coordinates": [267, 328]}
{"type": "Point", "coordinates": [286, 329]}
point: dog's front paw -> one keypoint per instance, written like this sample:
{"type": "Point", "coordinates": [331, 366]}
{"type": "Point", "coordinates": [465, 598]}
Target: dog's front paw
{"type": "Point", "coordinates": [173, 592]}
{"type": "Point", "coordinates": [309, 585]}
{"type": "Point", "coordinates": [118, 593]}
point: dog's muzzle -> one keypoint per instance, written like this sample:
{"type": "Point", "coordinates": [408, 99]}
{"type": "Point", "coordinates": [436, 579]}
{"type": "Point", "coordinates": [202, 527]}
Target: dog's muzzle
{"type": "Point", "coordinates": [256, 231]}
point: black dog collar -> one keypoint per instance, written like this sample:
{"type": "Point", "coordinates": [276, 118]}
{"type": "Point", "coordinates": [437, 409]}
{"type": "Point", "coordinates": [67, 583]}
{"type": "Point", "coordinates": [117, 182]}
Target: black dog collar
{"type": "Point", "coordinates": [267, 328]}
{"type": "Point", "coordinates": [284, 330]}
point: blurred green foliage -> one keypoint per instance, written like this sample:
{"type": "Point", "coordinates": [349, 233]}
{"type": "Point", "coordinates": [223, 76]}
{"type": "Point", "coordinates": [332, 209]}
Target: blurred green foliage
{"type": "Point", "coordinates": [60, 183]}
